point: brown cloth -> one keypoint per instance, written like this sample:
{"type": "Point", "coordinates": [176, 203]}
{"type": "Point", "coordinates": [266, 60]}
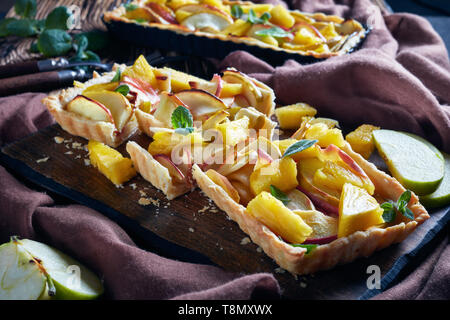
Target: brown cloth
{"type": "Point", "coordinates": [128, 271]}
{"type": "Point", "coordinates": [399, 79]}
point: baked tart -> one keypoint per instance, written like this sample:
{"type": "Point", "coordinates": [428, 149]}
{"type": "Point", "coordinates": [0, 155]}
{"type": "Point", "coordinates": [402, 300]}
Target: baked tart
{"type": "Point", "coordinates": [245, 23]}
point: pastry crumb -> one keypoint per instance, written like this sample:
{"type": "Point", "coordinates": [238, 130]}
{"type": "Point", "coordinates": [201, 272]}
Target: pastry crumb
{"type": "Point", "coordinates": [303, 284]}
{"type": "Point", "coordinates": [58, 139]}
{"type": "Point", "coordinates": [87, 162]}
{"type": "Point", "coordinates": [203, 209]}
{"type": "Point", "coordinates": [68, 152]}
{"type": "Point", "coordinates": [77, 145]}
{"type": "Point", "coordinates": [142, 193]}
{"type": "Point", "coordinates": [191, 230]}
{"type": "Point", "coordinates": [133, 186]}
{"type": "Point", "coordinates": [42, 160]}
{"type": "Point", "coordinates": [245, 241]}
{"type": "Point", "coordinates": [78, 157]}
{"type": "Point", "coordinates": [144, 201]}
{"type": "Point", "coordinates": [259, 249]}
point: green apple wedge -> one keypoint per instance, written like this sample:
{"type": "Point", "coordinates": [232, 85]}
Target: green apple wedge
{"type": "Point", "coordinates": [21, 277]}
{"type": "Point", "coordinates": [412, 162]}
{"type": "Point", "coordinates": [441, 197]}
{"type": "Point", "coordinates": [63, 277]}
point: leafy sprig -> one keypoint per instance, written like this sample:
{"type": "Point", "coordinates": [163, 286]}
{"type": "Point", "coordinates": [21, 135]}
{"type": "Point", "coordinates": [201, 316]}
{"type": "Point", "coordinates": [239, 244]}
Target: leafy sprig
{"type": "Point", "coordinates": [182, 120]}
{"type": "Point", "coordinates": [276, 32]}
{"type": "Point", "coordinates": [391, 208]}
{"type": "Point", "coordinates": [298, 147]}
{"type": "Point", "coordinates": [52, 37]}
{"type": "Point", "coordinates": [236, 11]}
{"type": "Point", "coordinates": [123, 89]}
{"type": "Point", "coordinates": [309, 247]}
{"type": "Point", "coordinates": [280, 195]}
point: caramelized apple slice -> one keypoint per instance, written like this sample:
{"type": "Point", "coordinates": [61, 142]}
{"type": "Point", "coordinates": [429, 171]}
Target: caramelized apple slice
{"type": "Point", "coordinates": [251, 92]}
{"type": "Point", "coordinates": [174, 171]}
{"type": "Point", "coordinates": [163, 12]}
{"type": "Point", "coordinates": [206, 17]}
{"type": "Point", "coordinates": [202, 104]}
{"type": "Point", "coordinates": [165, 108]}
{"type": "Point", "coordinates": [117, 103]}
{"type": "Point", "coordinates": [143, 91]}
{"type": "Point", "coordinates": [90, 109]}
{"type": "Point", "coordinates": [324, 227]}
{"type": "Point", "coordinates": [224, 183]}
{"type": "Point", "coordinates": [358, 211]}
{"type": "Point", "coordinates": [299, 201]}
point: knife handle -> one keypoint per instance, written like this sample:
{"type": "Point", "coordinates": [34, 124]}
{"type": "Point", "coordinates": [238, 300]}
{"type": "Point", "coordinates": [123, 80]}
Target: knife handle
{"type": "Point", "coordinates": [38, 82]}
{"type": "Point", "coordinates": [33, 66]}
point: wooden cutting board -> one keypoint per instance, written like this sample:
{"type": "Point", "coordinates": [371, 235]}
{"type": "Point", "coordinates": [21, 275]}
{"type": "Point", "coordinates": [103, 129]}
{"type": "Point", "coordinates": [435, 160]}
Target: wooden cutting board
{"type": "Point", "coordinates": [191, 228]}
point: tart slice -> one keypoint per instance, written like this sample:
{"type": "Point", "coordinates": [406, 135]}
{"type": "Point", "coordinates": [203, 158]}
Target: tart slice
{"type": "Point", "coordinates": [313, 206]}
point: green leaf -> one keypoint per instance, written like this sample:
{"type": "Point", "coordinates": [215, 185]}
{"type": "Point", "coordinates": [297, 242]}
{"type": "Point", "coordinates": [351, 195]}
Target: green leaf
{"type": "Point", "coordinates": [54, 42]}
{"type": "Point", "coordinates": [236, 11]}
{"type": "Point", "coordinates": [408, 213]}
{"type": "Point", "coordinates": [389, 214]}
{"type": "Point", "coordinates": [253, 18]}
{"type": "Point", "coordinates": [97, 40]}
{"type": "Point", "coordinates": [280, 195]}
{"type": "Point", "coordinates": [22, 28]}
{"type": "Point", "coordinates": [182, 118]}
{"type": "Point", "coordinates": [25, 8]}
{"type": "Point", "coordinates": [403, 200]}
{"type": "Point", "coordinates": [276, 32]}
{"type": "Point", "coordinates": [4, 26]}
{"type": "Point", "coordinates": [117, 76]}
{"type": "Point", "coordinates": [34, 48]}
{"type": "Point", "coordinates": [184, 131]}
{"type": "Point", "coordinates": [130, 6]}
{"type": "Point", "coordinates": [80, 44]}
{"type": "Point", "coordinates": [123, 89]}
{"type": "Point", "coordinates": [308, 247]}
{"type": "Point", "coordinates": [140, 20]}
{"type": "Point", "coordinates": [298, 147]}
{"type": "Point", "coordinates": [59, 18]}
{"type": "Point", "coordinates": [91, 56]}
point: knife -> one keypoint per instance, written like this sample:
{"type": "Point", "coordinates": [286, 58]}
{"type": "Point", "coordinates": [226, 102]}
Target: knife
{"type": "Point", "coordinates": [35, 66]}
{"type": "Point", "coordinates": [42, 81]}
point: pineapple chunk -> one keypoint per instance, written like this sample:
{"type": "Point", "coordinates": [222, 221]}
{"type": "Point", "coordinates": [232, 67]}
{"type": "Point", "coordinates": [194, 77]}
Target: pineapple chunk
{"type": "Point", "coordinates": [358, 211]}
{"type": "Point", "coordinates": [175, 4]}
{"type": "Point", "coordinates": [290, 117]}
{"type": "Point", "coordinates": [324, 135]}
{"type": "Point", "coordinates": [361, 140]}
{"type": "Point", "coordinates": [180, 81]}
{"type": "Point", "coordinates": [282, 173]}
{"type": "Point", "coordinates": [281, 17]}
{"type": "Point", "coordinates": [216, 3]}
{"type": "Point", "coordinates": [110, 86]}
{"type": "Point", "coordinates": [234, 131]}
{"type": "Point", "coordinates": [331, 123]}
{"type": "Point", "coordinates": [165, 141]}
{"type": "Point", "coordinates": [141, 70]}
{"type": "Point", "coordinates": [329, 31]}
{"type": "Point", "coordinates": [239, 28]}
{"type": "Point", "coordinates": [305, 37]}
{"type": "Point", "coordinates": [311, 152]}
{"type": "Point", "coordinates": [181, 14]}
{"type": "Point", "coordinates": [224, 183]}
{"type": "Point", "coordinates": [110, 162]}
{"type": "Point", "coordinates": [275, 215]}
{"type": "Point", "coordinates": [258, 8]}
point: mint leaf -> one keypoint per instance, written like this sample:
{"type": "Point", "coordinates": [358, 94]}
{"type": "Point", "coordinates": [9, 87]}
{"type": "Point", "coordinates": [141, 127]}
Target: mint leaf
{"type": "Point", "coordinates": [25, 8]}
{"type": "Point", "coordinates": [184, 131]}
{"type": "Point", "coordinates": [236, 11]}
{"type": "Point", "coordinates": [123, 89]}
{"type": "Point", "coordinates": [308, 247]}
{"type": "Point", "coordinates": [4, 26]}
{"type": "Point", "coordinates": [22, 28]}
{"type": "Point", "coordinates": [298, 147]}
{"type": "Point", "coordinates": [34, 48]}
{"type": "Point", "coordinates": [140, 20]}
{"type": "Point", "coordinates": [389, 215]}
{"type": "Point", "coordinates": [390, 208]}
{"type": "Point", "coordinates": [276, 32]}
{"type": "Point", "coordinates": [182, 118]}
{"type": "Point", "coordinates": [117, 76]}
{"type": "Point", "coordinates": [403, 200]}
{"type": "Point", "coordinates": [408, 213]}
{"type": "Point", "coordinates": [280, 195]}
{"type": "Point", "coordinates": [253, 18]}
{"type": "Point", "coordinates": [59, 18]}
{"type": "Point", "coordinates": [54, 42]}
{"type": "Point", "coordinates": [130, 6]}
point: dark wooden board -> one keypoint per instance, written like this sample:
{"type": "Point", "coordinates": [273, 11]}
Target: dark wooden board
{"type": "Point", "coordinates": [183, 230]}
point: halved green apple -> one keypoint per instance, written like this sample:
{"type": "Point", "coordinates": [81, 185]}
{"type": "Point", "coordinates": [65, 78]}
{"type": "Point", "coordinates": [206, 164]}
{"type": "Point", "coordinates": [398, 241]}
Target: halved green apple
{"type": "Point", "coordinates": [89, 109]}
{"type": "Point", "coordinates": [28, 269]}
{"type": "Point", "coordinates": [412, 162]}
{"type": "Point", "coordinates": [202, 104]}
{"type": "Point", "coordinates": [117, 103]}
{"type": "Point", "coordinates": [441, 197]}
{"type": "Point", "coordinates": [21, 277]}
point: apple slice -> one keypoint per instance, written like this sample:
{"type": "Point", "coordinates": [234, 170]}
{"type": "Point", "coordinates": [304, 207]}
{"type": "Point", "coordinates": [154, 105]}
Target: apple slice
{"type": "Point", "coordinates": [21, 277]}
{"type": "Point", "coordinates": [90, 109]}
{"type": "Point", "coordinates": [165, 108]}
{"type": "Point", "coordinates": [202, 104]}
{"type": "Point", "coordinates": [163, 12]}
{"type": "Point", "coordinates": [319, 241]}
{"type": "Point", "coordinates": [299, 201]}
{"type": "Point", "coordinates": [117, 103]}
{"type": "Point", "coordinates": [144, 91]}
{"type": "Point", "coordinates": [320, 199]}
{"type": "Point", "coordinates": [205, 8]}
{"type": "Point", "coordinates": [72, 280]}
{"type": "Point", "coordinates": [251, 92]}
{"type": "Point", "coordinates": [323, 225]}
{"type": "Point", "coordinates": [174, 171]}
{"type": "Point", "coordinates": [208, 22]}
{"type": "Point", "coordinates": [224, 183]}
